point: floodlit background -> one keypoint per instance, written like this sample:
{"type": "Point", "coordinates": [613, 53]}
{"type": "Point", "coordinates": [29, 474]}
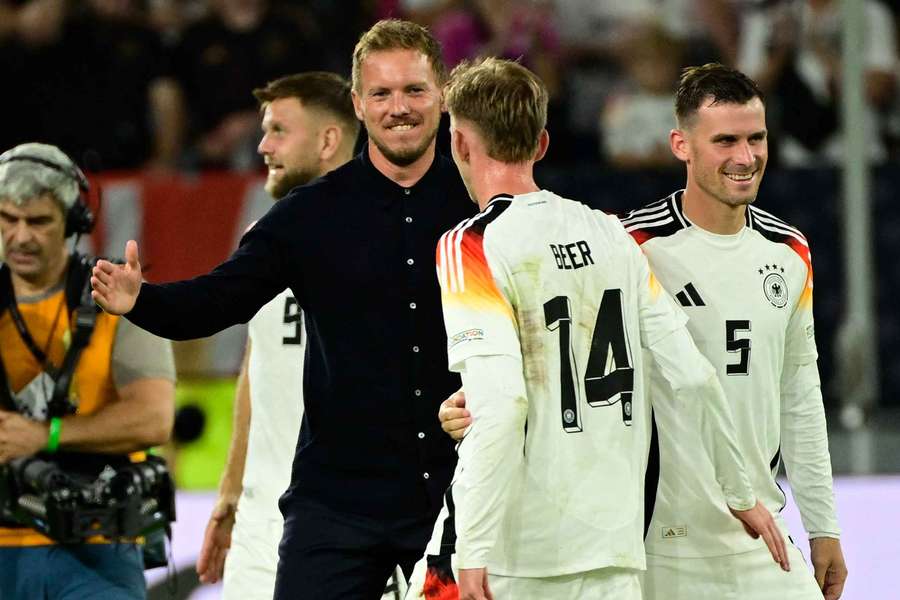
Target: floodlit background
{"type": "Point", "coordinates": [152, 98]}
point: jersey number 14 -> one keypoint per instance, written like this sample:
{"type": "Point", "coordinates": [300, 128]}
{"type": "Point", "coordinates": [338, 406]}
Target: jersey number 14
{"type": "Point", "coordinates": [605, 382]}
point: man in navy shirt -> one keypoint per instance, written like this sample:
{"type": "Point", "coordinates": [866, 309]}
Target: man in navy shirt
{"type": "Point", "coordinates": [357, 249]}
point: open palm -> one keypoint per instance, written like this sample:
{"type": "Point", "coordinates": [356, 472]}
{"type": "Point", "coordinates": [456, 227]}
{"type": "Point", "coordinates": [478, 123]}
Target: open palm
{"type": "Point", "coordinates": [116, 287]}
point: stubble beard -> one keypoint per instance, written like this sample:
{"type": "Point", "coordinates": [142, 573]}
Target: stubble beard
{"type": "Point", "coordinates": [406, 157]}
{"type": "Point", "coordinates": [719, 191]}
{"type": "Point", "coordinates": [292, 178]}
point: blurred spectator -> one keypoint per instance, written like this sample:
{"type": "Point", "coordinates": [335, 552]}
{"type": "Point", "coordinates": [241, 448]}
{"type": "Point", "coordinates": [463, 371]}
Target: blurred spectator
{"type": "Point", "coordinates": [523, 30]}
{"type": "Point", "coordinates": [708, 29]}
{"type": "Point", "coordinates": [333, 28]}
{"type": "Point", "coordinates": [639, 114]}
{"type": "Point", "coordinates": [595, 36]}
{"type": "Point", "coordinates": [171, 17]}
{"type": "Point", "coordinates": [99, 62]}
{"type": "Point", "coordinates": [793, 49]}
{"type": "Point", "coordinates": [423, 12]}
{"type": "Point", "coordinates": [240, 46]}
{"type": "Point", "coordinates": [515, 29]}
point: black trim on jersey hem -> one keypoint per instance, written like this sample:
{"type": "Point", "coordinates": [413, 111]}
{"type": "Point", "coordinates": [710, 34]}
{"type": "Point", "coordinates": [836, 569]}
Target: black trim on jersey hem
{"type": "Point", "coordinates": [651, 476]}
{"type": "Point", "coordinates": [773, 466]}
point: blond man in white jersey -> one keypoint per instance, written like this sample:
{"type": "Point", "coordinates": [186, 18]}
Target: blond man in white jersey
{"type": "Point", "coordinates": [547, 304]}
{"type": "Point", "coordinates": [744, 278]}
{"type": "Point", "coordinates": [309, 128]}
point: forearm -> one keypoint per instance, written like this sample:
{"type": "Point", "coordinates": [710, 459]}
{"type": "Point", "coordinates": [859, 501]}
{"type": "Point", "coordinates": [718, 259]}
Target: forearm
{"type": "Point", "coordinates": [700, 394]}
{"type": "Point", "coordinates": [804, 447]}
{"type": "Point", "coordinates": [490, 455]}
{"type": "Point", "coordinates": [204, 305]}
{"type": "Point", "coordinates": [720, 439]}
{"type": "Point", "coordinates": [178, 311]}
{"type": "Point", "coordinates": [141, 417]}
{"type": "Point", "coordinates": [231, 485]}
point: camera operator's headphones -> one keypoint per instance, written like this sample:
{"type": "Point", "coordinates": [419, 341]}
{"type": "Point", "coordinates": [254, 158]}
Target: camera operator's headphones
{"type": "Point", "coordinates": [79, 217]}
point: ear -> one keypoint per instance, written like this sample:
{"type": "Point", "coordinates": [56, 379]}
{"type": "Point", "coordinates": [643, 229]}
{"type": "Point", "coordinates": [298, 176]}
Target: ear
{"type": "Point", "coordinates": [679, 144]}
{"type": "Point", "coordinates": [460, 144]}
{"type": "Point", "coordinates": [357, 105]}
{"type": "Point", "coordinates": [329, 142]}
{"type": "Point", "coordinates": [543, 144]}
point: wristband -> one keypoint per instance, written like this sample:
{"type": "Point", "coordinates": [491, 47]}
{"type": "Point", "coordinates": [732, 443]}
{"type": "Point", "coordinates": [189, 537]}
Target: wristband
{"type": "Point", "coordinates": [53, 437]}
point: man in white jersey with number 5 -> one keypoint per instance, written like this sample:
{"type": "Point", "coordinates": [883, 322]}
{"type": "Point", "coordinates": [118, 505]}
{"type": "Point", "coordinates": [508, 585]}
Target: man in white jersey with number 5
{"type": "Point", "coordinates": [744, 278]}
{"type": "Point", "coordinates": [547, 306]}
{"type": "Point", "coordinates": [309, 128]}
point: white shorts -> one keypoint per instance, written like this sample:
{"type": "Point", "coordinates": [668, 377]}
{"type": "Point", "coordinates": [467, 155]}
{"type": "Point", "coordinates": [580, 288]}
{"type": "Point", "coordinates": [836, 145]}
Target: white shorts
{"type": "Point", "coordinates": [252, 560]}
{"type": "Point", "coordinates": [608, 584]}
{"type": "Point", "coordinates": [747, 576]}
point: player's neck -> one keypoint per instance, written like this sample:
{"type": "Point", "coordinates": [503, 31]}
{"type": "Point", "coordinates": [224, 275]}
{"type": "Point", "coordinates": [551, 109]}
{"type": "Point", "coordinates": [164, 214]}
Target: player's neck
{"type": "Point", "coordinates": [406, 176]}
{"type": "Point", "coordinates": [711, 214]}
{"type": "Point", "coordinates": [493, 178]}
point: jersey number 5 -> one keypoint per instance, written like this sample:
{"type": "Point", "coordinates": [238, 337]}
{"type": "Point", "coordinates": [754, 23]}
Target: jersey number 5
{"type": "Point", "coordinates": [739, 346]}
{"type": "Point", "coordinates": [601, 383]}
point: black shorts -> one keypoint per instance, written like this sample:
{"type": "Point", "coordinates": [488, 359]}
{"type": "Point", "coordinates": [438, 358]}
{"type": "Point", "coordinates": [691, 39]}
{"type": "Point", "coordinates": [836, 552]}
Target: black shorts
{"type": "Point", "coordinates": [325, 554]}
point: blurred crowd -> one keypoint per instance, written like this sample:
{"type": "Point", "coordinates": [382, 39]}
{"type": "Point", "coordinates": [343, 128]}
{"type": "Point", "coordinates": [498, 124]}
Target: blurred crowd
{"type": "Point", "coordinates": [165, 84]}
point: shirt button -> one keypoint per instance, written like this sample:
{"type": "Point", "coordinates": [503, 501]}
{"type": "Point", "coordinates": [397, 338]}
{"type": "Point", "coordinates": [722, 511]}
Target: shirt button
{"type": "Point", "coordinates": [418, 392]}
{"type": "Point", "coordinates": [426, 475]}
{"type": "Point", "coordinates": [408, 219]}
{"type": "Point", "coordinates": [409, 261]}
{"type": "Point", "coordinates": [415, 348]}
{"type": "Point", "coordinates": [421, 435]}
{"type": "Point", "coordinates": [407, 191]}
{"type": "Point", "coordinates": [412, 305]}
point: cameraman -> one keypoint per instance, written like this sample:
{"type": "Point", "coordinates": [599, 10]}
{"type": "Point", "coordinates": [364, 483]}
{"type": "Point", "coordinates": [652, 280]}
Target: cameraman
{"type": "Point", "coordinates": [122, 382]}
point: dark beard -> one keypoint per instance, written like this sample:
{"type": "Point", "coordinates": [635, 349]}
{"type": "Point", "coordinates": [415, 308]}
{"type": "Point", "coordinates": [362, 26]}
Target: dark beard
{"type": "Point", "coordinates": [290, 180]}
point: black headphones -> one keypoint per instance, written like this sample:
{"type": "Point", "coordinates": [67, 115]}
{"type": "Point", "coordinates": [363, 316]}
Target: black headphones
{"type": "Point", "coordinates": [79, 218]}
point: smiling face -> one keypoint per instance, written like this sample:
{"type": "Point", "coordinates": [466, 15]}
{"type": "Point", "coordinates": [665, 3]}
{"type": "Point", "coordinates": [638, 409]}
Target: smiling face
{"type": "Point", "coordinates": [290, 146]}
{"type": "Point", "coordinates": [725, 148]}
{"type": "Point", "coordinates": [33, 238]}
{"type": "Point", "coordinates": [399, 101]}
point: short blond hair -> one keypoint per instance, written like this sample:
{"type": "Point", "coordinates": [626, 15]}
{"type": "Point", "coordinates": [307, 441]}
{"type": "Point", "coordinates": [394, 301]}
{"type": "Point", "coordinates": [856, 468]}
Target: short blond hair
{"type": "Point", "coordinates": [394, 34]}
{"type": "Point", "coordinates": [505, 102]}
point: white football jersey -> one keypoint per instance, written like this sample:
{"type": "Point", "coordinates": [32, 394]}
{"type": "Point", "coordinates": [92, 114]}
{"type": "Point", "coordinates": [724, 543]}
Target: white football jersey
{"type": "Point", "coordinates": [277, 344]}
{"type": "Point", "coordinates": [749, 300]}
{"type": "Point", "coordinates": [564, 288]}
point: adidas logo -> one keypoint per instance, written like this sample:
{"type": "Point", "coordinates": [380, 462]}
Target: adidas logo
{"type": "Point", "coordinates": [674, 532]}
{"type": "Point", "coordinates": [689, 296]}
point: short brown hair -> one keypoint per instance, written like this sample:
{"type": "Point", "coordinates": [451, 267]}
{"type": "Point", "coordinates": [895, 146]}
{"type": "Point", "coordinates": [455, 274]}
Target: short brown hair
{"type": "Point", "coordinates": [712, 80]}
{"type": "Point", "coordinates": [394, 34]}
{"type": "Point", "coordinates": [315, 89]}
{"type": "Point", "coordinates": [506, 102]}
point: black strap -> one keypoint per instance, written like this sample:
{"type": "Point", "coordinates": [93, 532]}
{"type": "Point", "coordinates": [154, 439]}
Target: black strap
{"type": "Point", "coordinates": [85, 317]}
{"type": "Point", "coordinates": [38, 354]}
{"type": "Point", "coordinates": [6, 401]}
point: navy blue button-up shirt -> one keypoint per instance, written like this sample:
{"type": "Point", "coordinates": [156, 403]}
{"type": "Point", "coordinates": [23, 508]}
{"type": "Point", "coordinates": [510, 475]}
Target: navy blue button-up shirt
{"type": "Point", "coordinates": [357, 250]}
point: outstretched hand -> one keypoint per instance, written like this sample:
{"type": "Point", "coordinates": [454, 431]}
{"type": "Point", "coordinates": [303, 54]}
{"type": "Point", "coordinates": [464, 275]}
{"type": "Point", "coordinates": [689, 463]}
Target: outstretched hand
{"type": "Point", "coordinates": [758, 522]}
{"type": "Point", "coordinates": [116, 287]}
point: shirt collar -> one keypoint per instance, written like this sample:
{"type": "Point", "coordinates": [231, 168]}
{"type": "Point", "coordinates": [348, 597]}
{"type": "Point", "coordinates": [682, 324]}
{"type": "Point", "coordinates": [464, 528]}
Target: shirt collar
{"type": "Point", "coordinates": [387, 190]}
